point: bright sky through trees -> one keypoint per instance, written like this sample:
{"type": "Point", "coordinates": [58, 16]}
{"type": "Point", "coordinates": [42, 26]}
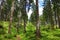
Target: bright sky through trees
{"type": "Point", "coordinates": [40, 9]}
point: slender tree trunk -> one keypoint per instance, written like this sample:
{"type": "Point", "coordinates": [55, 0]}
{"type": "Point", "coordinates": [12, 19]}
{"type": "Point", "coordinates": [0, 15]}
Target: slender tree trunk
{"type": "Point", "coordinates": [59, 21]}
{"type": "Point", "coordinates": [19, 21]}
{"type": "Point", "coordinates": [52, 23]}
{"type": "Point", "coordinates": [51, 15]}
{"type": "Point", "coordinates": [17, 27]}
{"type": "Point", "coordinates": [11, 16]}
{"type": "Point", "coordinates": [24, 25]}
{"type": "Point", "coordinates": [0, 12]}
{"type": "Point", "coordinates": [56, 17]}
{"type": "Point", "coordinates": [23, 11]}
{"type": "Point", "coordinates": [1, 7]}
{"type": "Point", "coordinates": [37, 21]}
{"type": "Point", "coordinates": [24, 16]}
{"type": "Point", "coordinates": [55, 13]}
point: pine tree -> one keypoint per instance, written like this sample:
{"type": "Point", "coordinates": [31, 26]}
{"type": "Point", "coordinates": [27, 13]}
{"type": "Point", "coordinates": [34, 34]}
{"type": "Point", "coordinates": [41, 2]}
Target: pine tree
{"type": "Point", "coordinates": [48, 13]}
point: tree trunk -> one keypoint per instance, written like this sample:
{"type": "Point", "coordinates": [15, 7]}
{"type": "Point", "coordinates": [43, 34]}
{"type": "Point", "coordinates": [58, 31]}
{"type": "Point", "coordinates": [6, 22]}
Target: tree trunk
{"type": "Point", "coordinates": [51, 15]}
{"type": "Point", "coordinates": [59, 21]}
{"type": "Point", "coordinates": [52, 23]}
{"type": "Point", "coordinates": [19, 21]}
{"type": "Point", "coordinates": [24, 25]}
{"type": "Point", "coordinates": [56, 18]}
{"type": "Point", "coordinates": [0, 12]}
{"type": "Point", "coordinates": [11, 15]}
{"type": "Point", "coordinates": [37, 21]}
{"type": "Point", "coordinates": [55, 14]}
{"type": "Point", "coordinates": [24, 16]}
{"type": "Point", "coordinates": [58, 15]}
{"type": "Point", "coordinates": [1, 7]}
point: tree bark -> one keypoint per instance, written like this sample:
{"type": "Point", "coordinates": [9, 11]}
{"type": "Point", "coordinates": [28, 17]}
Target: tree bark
{"type": "Point", "coordinates": [58, 15]}
{"type": "Point", "coordinates": [59, 21]}
{"type": "Point", "coordinates": [51, 15]}
{"type": "Point", "coordinates": [24, 25]}
{"type": "Point", "coordinates": [0, 12]}
{"type": "Point", "coordinates": [37, 21]}
{"type": "Point", "coordinates": [11, 16]}
{"type": "Point", "coordinates": [1, 7]}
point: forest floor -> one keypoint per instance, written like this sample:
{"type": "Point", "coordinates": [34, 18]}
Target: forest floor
{"type": "Point", "coordinates": [46, 33]}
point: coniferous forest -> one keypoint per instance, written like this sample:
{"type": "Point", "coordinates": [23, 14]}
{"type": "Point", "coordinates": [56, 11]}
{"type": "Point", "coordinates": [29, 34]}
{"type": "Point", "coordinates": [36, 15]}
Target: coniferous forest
{"type": "Point", "coordinates": [15, 23]}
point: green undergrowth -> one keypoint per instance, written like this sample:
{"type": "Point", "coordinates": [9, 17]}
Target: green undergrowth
{"type": "Point", "coordinates": [46, 33]}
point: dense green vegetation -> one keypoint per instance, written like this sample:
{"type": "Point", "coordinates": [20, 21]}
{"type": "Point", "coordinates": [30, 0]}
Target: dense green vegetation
{"type": "Point", "coordinates": [46, 33]}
